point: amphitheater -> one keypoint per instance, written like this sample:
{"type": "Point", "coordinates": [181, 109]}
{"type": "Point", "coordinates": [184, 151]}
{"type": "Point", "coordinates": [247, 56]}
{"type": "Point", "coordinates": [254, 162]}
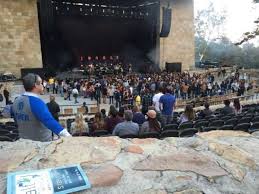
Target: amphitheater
{"type": "Point", "coordinates": [212, 155]}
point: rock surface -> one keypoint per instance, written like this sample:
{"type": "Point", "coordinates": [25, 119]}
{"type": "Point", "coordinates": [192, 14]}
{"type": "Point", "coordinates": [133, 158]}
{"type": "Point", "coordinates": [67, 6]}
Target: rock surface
{"type": "Point", "coordinates": [215, 162]}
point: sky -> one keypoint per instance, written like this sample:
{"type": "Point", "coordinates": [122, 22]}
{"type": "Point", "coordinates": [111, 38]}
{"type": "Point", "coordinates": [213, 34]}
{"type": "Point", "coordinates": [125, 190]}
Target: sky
{"type": "Point", "coordinates": [240, 16]}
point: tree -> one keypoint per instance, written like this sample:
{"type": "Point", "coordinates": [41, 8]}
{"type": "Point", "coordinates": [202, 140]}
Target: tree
{"type": "Point", "coordinates": [208, 28]}
{"type": "Point", "coordinates": [251, 35]}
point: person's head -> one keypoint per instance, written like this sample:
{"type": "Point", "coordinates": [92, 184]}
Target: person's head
{"type": "Point", "coordinates": [128, 115]}
{"type": "Point", "coordinates": [151, 114]}
{"type": "Point", "coordinates": [103, 111]}
{"type": "Point", "coordinates": [168, 89]}
{"type": "Point", "coordinates": [98, 116]}
{"type": "Point", "coordinates": [33, 83]}
{"type": "Point", "coordinates": [51, 97]}
{"type": "Point", "coordinates": [79, 117]}
{"type": "Point", "coordinates": [207, 105]}
{"type": "Point", "coordinates": [84, 103]}
{"type": "Point", "coordinates": [135, 109]}
{"type": "Point", "coordinates": [227, 102]}
{"type": "Point", "coordinates": [113, 112]}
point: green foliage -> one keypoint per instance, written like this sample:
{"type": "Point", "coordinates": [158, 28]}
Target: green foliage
{"type": "Point", "coordinates": [227, 53]}
{"type": "Point", "coordinates": [208, 28]}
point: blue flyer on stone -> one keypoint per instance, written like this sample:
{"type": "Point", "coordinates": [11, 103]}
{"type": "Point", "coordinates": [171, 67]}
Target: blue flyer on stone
{"type": "Point", "coordinates": [61, 180]}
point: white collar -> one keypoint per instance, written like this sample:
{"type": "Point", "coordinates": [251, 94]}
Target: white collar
{"type": "Point", "coordinates": [30, 94]}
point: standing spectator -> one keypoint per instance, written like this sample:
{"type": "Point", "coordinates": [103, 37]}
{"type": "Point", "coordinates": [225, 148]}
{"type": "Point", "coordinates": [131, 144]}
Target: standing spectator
{"type": "Point", "coordinates": [55, 87]}
{"type": "Point", "coordinates": [69, 91]}
{"type": "Point", "coordinates": [237, 106]}
{"type": "Point", "coordinates": [110, 94]}
{"type": "Point", "coordinates": [47, 87]}
{"type": "Point", "coordinates": [6, 95]}
{"type": "Point", "coordinates": [104, 94]}
{"type": "Point", "coordinates": [156, 99]}
{"type": "Point", "coordinates": [75, 94]}
{"type": "Point", "coordinates": [62, 84]}
{"type": "Point", "coordinates": [167, 105]}
{"type": "Point", "coordinates": [1, 91]}
{"type": "Point", "coordinates": [241, 89]}
{"type": "Point", "coordinates": [146, 101]}
{"type": "Point", "coordinates": [138, 100]}
{"type": "Point", "coordinates": [152, 124]}
{"type": "Point", "coordinates": [53, 107]}
{"type": "Point", "coordinates": [118, 98]}
{"type": "Point", "coordinates": [44, 85]}
{"type": "Point", "coordinates": [32, 115]}
{"type": "Point", "coordinates": [79, 126]}
{"type": "Point", "coordinates": [51, 83]}
{"type": "Point", "coordinates": [185, 88]}
{"type": "Point", "coordinates": [98, 92]}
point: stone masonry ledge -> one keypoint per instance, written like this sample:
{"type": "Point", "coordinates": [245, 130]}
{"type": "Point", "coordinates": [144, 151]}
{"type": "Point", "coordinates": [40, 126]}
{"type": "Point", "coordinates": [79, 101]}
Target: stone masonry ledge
{"type": "Point", "coordinates": [213, 163]}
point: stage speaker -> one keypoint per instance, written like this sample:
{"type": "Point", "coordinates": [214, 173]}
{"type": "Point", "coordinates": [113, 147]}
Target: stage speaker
{"type": "Point", "coordinates": [173, 67]}
{"type": "Point", "coordinates": [166, 25]}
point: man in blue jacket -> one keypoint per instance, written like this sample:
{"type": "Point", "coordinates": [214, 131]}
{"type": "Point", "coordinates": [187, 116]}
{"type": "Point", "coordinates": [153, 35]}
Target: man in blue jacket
{"type": "Point", "coordinates": [167, 105]}
{"type": "Point", "coordinates": [34, 120]}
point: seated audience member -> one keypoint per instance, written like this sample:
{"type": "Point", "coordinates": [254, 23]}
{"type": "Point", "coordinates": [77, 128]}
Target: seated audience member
{"type": "Point", "coordinates": [79, 126]}
{"type": "Point", "coordinates": [138, 116]}
{"type": "Point", "coordinates": [112, 120]}
{"type": "Point", "coordinates": [98, 123]}
{"type": "Point", "coordinates": [103, 112]}
{"type": "Point", "coordinates": [227, 109]}
{"type": "Point", "coordinates": [158, 113]}
{"type": "Point", "coordinates": [206, 111]}
{"type": "Point", "coordinates": [86, 108]}
{"type": "Point", "coordinates": [127, 127]}
{"type": "Point", "coordinates": [237, 106]}
{"type": "Point", "coordinates": [188, 115]}
{"type": "Point", "coordinates": [152, 124]}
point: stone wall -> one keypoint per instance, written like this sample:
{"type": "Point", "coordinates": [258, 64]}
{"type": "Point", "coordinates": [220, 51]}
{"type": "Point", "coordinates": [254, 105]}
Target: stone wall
{"type": "Point", "coordinates": [179, 46]}
{"type": "Point", "coordinates": [19, 36]}
{"type": "Point", "coordinates": [215, 162]}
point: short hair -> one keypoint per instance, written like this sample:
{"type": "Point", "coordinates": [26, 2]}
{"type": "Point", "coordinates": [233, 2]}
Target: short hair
{"type": "Point", "coordinates": [29, 81]}
{"type": "Point", "coordinates": [135, 108]}
{"type": "Point", "coordinates": [128, 115]}
{"type": "Point", "coordinates": [168, 89]}
{"type": "Point", "coordinates": [227, 102]}
{"type": "Point", "coordinates": [103, 111]}
{"type": "Point", "coordinates": [52, 97]}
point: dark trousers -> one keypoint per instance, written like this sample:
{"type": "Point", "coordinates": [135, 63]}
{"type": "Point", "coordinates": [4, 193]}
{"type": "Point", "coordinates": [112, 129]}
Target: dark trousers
{"type": "Point", "coordinates": [111, 99]}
